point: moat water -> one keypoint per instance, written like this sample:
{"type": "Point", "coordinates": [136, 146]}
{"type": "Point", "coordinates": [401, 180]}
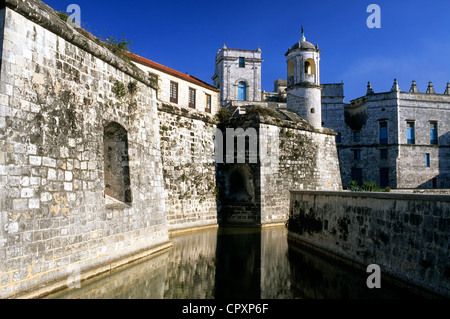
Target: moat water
{"type": "Point", "coordinates": [238, 263]}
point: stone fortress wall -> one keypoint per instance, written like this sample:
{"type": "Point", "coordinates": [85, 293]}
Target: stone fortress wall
{"type": "Point", "coordinates": [86, 165]}
{"type": "Point", "coordinates": [405, 234]}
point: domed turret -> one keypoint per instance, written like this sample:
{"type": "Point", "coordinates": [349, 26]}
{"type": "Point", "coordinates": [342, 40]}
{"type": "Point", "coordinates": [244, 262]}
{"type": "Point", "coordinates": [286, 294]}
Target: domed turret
{"type": "Point", "coordinates": [304, 95]}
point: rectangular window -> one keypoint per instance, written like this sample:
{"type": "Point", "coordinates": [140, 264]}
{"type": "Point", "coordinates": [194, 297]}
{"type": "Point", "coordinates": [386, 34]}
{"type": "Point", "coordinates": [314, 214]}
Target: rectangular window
{"type": "Point", "coordinates": [384, 177]}
{"type": "Point", "coordinates": [384, 153]}
{"type": "Point", "coordinates": [433, 133]}
{"type": "Point", "coordinates": [383, 132]}
{"type": "Point", "coordinates": [357, 154]}
{"type": "Point", "coordinates": [427, 160]}
{"type": "Point", "coordinates": [192, 98]}
{"type": "Point", "coordinates": [357, 175]}
{"type": "Point", "coordinates": [338, 138]}
{"type": "Point", "coordinates": [241, 62]}
{"type": "Point", "coordinates": [356, 136]}
{"type": "Point", "coordinates": [173, 92]}
{"type": "Point", "coordinates": [410, 134]}
{"type": "Point", "coordinates": [208, 103]}
{"type": "Point", "coordinates": [434, 182]}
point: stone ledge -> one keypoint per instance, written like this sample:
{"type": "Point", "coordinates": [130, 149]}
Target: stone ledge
{"type": "Point", "coordinates": [191, 229]}
{"type": "Point", "coordinates": [429, 197]}
{"type": "Point", "coordinates": [167, 108]}
{"type": "Point", "coordinates": [114, 265]}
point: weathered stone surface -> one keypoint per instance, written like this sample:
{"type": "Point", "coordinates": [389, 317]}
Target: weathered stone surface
{"type": "Point", "coordinates": [404, 162]}
{"type": "Point", "coordinates": [54, 110]}
{"type": "Point", "coordinates": [187, 149]}
{"type": "Point", "coordinates": [291, 154]}
{"type": "Point", "coordinates": [229, 74]}
{"type": "Point", "coordinates": [405, 234]}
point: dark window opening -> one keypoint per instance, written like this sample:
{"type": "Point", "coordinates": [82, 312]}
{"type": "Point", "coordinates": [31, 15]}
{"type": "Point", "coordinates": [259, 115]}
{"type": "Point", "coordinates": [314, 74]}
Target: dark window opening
{"type": "Point", "coordinates": [383, 133]}
{"type": "Point", "coordinates": [173, 92]}
{"type": "Point", "coordinates": [191, 98]}
{"type": "Point", "coordinates": [356, 136]}
{"type": "Point", "coordinates": [434, 180]}
{"type": "Point", "coordinates": [208, 103]}
{"type": "Point", "coordinates": [357, 154]}
{"type": "Point", "coordinates": [116, 161]}
{"type": "Point", "coordinates": [308, 68]}
{"type": "Point", "coordinates": [384, 177]}
{"type": "Point", "coordinates": [241, 62]}
{"type": "Point", "coordinates": [383, 153]}
{"type": "Point", "coordinates": [433, 133]}
{"type": "Point", "coordinates": [357, 175]}
{"type": "Point", "coordinates": [410, 133]}
{"type": "Point", "coordinates": [338, 138]}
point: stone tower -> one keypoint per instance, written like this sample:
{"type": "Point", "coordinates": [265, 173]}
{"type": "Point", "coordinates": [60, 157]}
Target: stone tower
{"type": "Point", "coordinates": [303, 87]}
{"type": "Point", "coordinates": [238, 75]}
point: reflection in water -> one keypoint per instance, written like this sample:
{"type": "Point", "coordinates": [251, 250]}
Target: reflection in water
{"type": "Point", "coordinates": [237, 263]}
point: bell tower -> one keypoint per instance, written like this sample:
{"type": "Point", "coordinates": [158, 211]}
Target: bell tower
{"type": "Point", "coordinates": [304, 93]}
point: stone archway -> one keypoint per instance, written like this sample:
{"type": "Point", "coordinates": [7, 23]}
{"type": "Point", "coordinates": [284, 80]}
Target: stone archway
{"type": "Point", "coordinates": [239, 184]}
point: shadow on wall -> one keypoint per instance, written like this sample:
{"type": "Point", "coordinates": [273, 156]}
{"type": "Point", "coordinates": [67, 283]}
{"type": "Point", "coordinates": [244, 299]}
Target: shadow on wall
{"type": "Point", "coordinates": [442, 180]}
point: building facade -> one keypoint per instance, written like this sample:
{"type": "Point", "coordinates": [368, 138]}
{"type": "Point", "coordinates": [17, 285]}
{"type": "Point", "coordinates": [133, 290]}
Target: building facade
{"type": "Point", "coordinates": [397, 139]}
{"type": "Point", "coordinates": [238, 75]}
{"type": "Point", "coordinates": [187, 107]}
{"type": "Point", "coordinates": [292, 149]}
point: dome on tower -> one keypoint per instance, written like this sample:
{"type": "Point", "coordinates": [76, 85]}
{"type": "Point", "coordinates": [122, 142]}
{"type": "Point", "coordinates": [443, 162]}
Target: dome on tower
{"type": "Point", "coordinates": [302, 45]}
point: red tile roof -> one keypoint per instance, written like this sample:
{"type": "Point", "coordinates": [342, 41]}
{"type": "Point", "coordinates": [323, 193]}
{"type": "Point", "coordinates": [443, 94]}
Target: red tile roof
{"type": "Point", "coordinates": [165, 69]}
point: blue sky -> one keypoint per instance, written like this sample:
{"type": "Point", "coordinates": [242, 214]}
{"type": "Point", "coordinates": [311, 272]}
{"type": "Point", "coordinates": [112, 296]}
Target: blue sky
{"type": "Point", "coordinates": [413, 42]}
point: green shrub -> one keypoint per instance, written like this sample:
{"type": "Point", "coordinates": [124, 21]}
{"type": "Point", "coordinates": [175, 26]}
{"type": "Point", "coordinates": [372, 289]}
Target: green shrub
{"type": "Point", "coordinates": [370, 187]}
{"type": "Point", "coordinates": [133, 87]}
{"type": "Point", "coordinates": [62, 15]}
{"type": "Point", "coordinates": [354, 187]}
{"type": "Point", "coordinates": [366, 187]}
{"type": "Point", "coordinates": [223, 114]}
{"type": "Point", "coordinates": [119, 89]}
{"type": "Point", "coordinates": [119, 44]}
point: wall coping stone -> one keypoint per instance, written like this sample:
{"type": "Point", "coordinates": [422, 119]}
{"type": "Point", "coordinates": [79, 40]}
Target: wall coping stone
{"type": "Point", "coordinates": [379, 195]}
{"type": "Point", "coordinates": [45, 16]}
{"type": "Point", "coordinates": [176, 110]}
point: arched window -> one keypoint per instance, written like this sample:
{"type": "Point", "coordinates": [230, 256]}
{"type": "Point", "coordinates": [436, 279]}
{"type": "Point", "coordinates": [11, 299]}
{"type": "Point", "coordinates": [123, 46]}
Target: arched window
{"type": "Point", "coordinates": [290, 77]}
{"type": "Point", "coordinates": [242, 91]}
{"type": "Point", "coordinates": [290, 68]}
{"type": "Point", "coordinates": [117, 170]}
{"type": "Point", "coordinates": [310, 66]}
{"type": "Point", "coordinates": [307, 67]}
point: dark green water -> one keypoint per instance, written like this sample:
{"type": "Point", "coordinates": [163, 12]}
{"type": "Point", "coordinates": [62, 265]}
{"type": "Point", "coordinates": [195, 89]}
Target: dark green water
{"type": "Point", "coordinates": [234, 263]}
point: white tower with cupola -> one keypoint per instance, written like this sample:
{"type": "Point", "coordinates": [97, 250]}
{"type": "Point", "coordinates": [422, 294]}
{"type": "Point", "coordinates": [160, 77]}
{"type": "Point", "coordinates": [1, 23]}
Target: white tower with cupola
{"type": "Point", "coordinates": [304, 93]}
